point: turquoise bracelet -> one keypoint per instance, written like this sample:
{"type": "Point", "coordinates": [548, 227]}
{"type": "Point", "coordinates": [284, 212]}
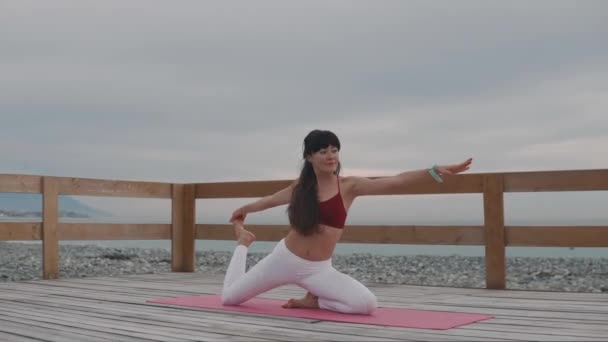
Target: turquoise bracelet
{"type": "Point", "coordinates": [433, 173]}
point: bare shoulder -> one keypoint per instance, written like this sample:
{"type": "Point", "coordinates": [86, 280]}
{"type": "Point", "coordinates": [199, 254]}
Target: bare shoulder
{"type": "Point", "coordinates": [348, 183]}
{"type": "Point", "coordinates": [347, 180]}
{"type": "Point", "coordinates": [363, 186]}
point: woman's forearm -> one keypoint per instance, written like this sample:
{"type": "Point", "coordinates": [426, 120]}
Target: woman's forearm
{"type": "Point", "coordinates": [259, 205]}
{"type": "Point", "coordinates": [278, 198]}
{"type": "Point", "coordinates": [416, 176]}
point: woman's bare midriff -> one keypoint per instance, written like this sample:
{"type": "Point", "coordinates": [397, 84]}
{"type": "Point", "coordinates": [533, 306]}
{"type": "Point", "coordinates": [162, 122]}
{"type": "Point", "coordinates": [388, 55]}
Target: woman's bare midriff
{"type": "Point", "coordinates": [317, 247]}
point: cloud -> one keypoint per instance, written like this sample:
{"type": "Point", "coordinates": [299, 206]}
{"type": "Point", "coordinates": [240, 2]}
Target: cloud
{"type": "Point", "coordinates": [214, 91]}
{"type": "Point", "coordinates": [569, 153]}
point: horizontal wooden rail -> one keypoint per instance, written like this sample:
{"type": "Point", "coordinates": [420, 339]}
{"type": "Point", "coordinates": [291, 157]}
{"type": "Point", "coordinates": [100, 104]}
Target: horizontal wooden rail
{"type": "Point", "coordinates": [86, 186]}
{"type": "Point", "coordinates": [97, 187]}
{"type": "Point", "coordinates": [20, 183]}
{"type": "Point", "coordinates": [546, 181]}
{"type": "Point", "coordinates": [114, 231]}
{"type": "Point", "coordinates": [557, 236]}
{"type": "Point", "coordinates": [516, 236]}
{"type": "Point", "coordinates": [426, 235]}
{"type": "Point", "coordinates": [460, 184]}
{"type": "Point", "coordinates": [531, 181]}
{"type": "Point", "coordinates": [27, 231]}
{"type": "Point", "coordinates": [20, 231]}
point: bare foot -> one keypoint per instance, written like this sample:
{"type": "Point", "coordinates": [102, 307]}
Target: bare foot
{"type": "Point", "coordinates": [308, 302]}
{"type": "Point", "coordinates": [243, 236]}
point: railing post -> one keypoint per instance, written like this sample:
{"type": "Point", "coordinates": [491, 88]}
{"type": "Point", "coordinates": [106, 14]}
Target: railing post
{"type": "Point", "coordinates": [50, 242]}
{"type": "Point", "coordinates": [494, 232]}
{"type": "Point", "coordinates": [183, 228]}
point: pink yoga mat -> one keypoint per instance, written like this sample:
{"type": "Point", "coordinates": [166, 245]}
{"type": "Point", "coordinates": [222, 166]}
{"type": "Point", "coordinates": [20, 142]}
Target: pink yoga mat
{"type": "Point", "coordinates": [408, 318]}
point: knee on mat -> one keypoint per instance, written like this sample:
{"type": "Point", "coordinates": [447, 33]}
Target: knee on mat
{"type": "Point", "coordinates": [228, 298]}
{"type": "Point", "coordinates": [366, 304]}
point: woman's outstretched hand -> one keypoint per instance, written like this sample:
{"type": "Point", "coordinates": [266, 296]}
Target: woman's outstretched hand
{"type": "Point", "coordinates": [238, 215]}
{"type": "Point", "coordinates": [454, 169]}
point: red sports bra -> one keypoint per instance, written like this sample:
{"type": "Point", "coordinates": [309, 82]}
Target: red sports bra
{"type": "Point", "coordinates": [332, 211]}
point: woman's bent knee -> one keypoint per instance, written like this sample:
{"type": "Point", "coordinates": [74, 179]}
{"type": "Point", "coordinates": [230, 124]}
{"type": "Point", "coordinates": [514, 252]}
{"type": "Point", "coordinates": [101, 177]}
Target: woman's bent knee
{"type": "Point", "coordinates": [367, 305]}
{"type": "Point", "coordinates": [229, 298]}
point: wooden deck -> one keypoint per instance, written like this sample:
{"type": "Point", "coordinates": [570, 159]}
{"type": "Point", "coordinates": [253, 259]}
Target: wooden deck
{"type": "Point", "coordinates": [115, 309]}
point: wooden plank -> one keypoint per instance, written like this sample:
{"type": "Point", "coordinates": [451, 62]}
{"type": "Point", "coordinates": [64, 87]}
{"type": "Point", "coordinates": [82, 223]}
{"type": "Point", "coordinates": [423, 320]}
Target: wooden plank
{"type": "Point", "coordinates": [556, 301]}
{"type": "Point", "coordinates": [6, 337]}
{"type": "Point", "coordinates": [18, 314]}
{"type": "Point", "coordinates": [469, 183]}
{"type": "Point", "coordinates": [183, 228]}
{"type": "Point", "coordinates": [116, 188]}
{"type": "Point", "coordinates": [494, 221]}
{"type": "Point", "coordinates": [414, 234]}
{"type": "Point", "coordinates": [95, 291]}
{"type": "Point", "coordinates": [226, 232]}
{"type": "Point", "coordinates": [534, 324]}
{"type": "Point", "coordinates": [522, 336]}
{"type": "Point", "coordinates": [114, 231]}
{"type": "Point", "coordinates": [98, 326]}
{"type": "Point", "coordinates": [552, 332]}
{"type": "Point", "coordinates": [527, 304]}
{"type": "Point", "coordinates": [239, 189]}
{"type": "Point", "coordinates": [27, 329]}
{"type": "Point", "coordinates": [20, 231]}
{"type": "Point", "coordinates": [50, 242]}
{"type": "Point", "coordinates": [380, 234]}
{"type": "Point", "coordinates": [548, 295]}
{"type": "Point", "coordinates": [507, 312]}
{"type": "Point", "coordinates": [56, 326]}
{"type": "Point", "coordinates": [557, 236]}
{"type": "Point", "coordinates": [570, 180]}
{"type": "Point", "coordinates": [415, 333]}
{"type": "Point", "coordinates": [20, 183]}
{"type": "Point", "coordinates": [193, 286]}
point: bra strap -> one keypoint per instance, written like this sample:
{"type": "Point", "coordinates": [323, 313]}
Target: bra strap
{"type": "Point", "coordinates": [338, 177]}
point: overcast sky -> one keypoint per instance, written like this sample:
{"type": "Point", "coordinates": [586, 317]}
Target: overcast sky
{"type": "Point", "coordinates": [194, 91]}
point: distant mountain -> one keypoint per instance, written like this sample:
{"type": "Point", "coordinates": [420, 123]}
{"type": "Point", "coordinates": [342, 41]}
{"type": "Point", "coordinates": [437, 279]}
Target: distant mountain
{"type": "Point", "coordinates": [32, 203]}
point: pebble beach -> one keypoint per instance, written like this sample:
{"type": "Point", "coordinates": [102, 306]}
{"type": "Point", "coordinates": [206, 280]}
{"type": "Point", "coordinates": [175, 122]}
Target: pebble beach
{"type": "Point", "coordinates": [21, 262]}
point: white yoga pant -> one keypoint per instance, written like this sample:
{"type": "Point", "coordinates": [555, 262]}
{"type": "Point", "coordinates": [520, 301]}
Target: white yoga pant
{"type": "Point", "coordinates": [336, 291]}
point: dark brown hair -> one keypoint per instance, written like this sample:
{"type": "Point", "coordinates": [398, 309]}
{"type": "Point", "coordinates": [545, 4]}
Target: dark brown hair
{"type": "Point", "coordinates": [303, 209]}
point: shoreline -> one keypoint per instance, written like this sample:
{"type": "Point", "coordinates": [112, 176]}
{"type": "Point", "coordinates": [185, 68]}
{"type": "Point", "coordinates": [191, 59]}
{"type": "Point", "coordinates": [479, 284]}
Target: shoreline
{"type": "Point", "coordinates": [22, 261]}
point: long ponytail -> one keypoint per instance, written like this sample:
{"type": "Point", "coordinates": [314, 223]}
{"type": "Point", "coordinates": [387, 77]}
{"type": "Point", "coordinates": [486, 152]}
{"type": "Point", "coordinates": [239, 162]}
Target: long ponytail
{"type": "Point", "coordinates": [303, 209]}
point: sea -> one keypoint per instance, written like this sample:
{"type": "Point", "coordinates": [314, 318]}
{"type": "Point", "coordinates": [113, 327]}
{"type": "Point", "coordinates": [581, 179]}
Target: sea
{"type": "Point", "coordinates": [348, 248]}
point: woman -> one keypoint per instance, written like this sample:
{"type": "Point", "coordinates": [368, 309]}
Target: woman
{"type": "Point", "coordinates": [319, 201]}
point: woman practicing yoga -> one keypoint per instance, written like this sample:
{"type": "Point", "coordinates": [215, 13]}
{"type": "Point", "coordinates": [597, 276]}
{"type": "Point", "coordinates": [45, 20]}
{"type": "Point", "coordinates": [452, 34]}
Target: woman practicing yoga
{"type": "Point", "coordinates": [318, 205]}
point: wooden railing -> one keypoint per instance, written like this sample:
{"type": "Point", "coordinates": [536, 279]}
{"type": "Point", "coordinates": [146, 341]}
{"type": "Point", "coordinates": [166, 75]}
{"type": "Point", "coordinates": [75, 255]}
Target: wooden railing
{"type": "Point", "coordinates": [183, 231]}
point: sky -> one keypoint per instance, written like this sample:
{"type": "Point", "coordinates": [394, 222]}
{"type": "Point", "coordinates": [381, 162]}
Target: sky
{"type": "Point", "coordinates": [203, 91]}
